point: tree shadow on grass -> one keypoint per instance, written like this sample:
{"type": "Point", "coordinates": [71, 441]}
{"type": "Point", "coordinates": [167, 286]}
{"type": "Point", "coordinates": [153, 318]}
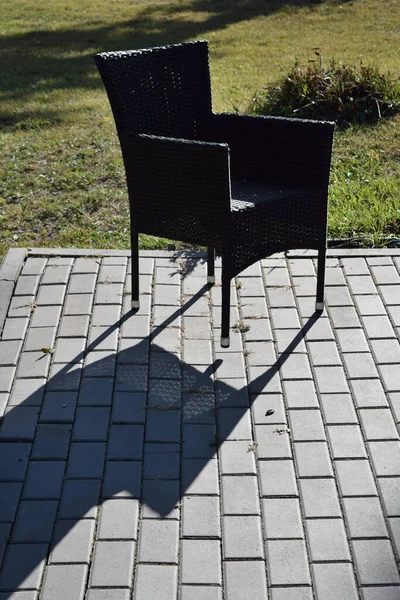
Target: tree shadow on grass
{"type": "Point", "coordinates": [43, 61]}
{"type": "Point", "coordinates": [93, 429]}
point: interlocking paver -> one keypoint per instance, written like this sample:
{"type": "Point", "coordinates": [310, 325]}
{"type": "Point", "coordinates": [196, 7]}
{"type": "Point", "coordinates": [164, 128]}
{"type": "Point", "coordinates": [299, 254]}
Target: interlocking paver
{"type": "Point", "coordinates": [200, 592]}
{"type": "Point", "coordinates": [200, 561]}
{"type": "Point", "coordinates": [377, 593]}
{"type": "Point", "coordinates": [125, 442]}
{"type": "Point", "coordinates": [378, 424]}
{"type": "Point", "coordinates": [40, 337]}
{"type": "Point", "coordinates": [122, 479]}
{"type": "Point", "coordinates": [160, 499]}
{"type": "Point", "coordinates": [240, 495]}
{"type": "Point", "coordinates": [72, 541]}
{"type": "Point", "coordinates": [33, 364]}
{"type": "Point", "coordinates": [79, 498]}
{"type": "Point", "coordinates": [9, 497]}
{"type": "Point", "coordinates": [331, 380]}
{"type": "Point", "coordinates": [51, 441]}
{"type": "Point", "coordinates": [34, 521]}
{"type": "Point", "coordinates": [355, 478]}
{"type": "Point", "coordinates": [287, 562]}
{"type": "Point", "coordinates": [277, 478]}
{"type": "Point", "coordinates": [272, 441]}
{"type": "Point", "coordinates": [58, 407]}
{"type": "Point", "coordinates": [23, 566]}
{"type": "Point", "coordinates": [352, 340]}
{"type": "Point", "coordinates": [118, 519]}
{"type": "Point", "coordinates": [158, 541]}
{"type": "Point", "coordinates": [306, 425]}
{"type": "Point", "coordinates": [385, 457]}
{"type": "Point", "coordinates": [86, 460]}
{"type": "Point", "coordinates": [378, 327]}
{"type": "Point", "coordinates": [338, 409]}
{"type": "Point", "coordinates": [321, 530]}
{"type": "Point", "coordinates": [46, 316]}
{"type": "Point", "coordinates": [346, 441]}
{"type": "Point", "coordinates": [242, 537]}
{"type": "Point", "coordinates": [296, 593]}
{"type": "Point", "coordinates": [300, 394]}
{"type": "Point", "coordinates": [96, 391]}
{"type": "Point", "coordinates": [112, 564]}
{"type": "Point", "coordinates": [156, 581]}
{"type": "Point", "coordinates": [360, 365]}
{"type": "Point", "coordinates": [201, 517]}
{"type": "Point", "coordinates": [375, 562]}
{"type": "Point", "coordinates": [243, 578]}
{"type": "Point", "coordinates": [282, 518]}
{"type": "Point", "coordinates": [237, 458]}
{"type": "Point", "coordinates": [66, 581]}
{"type": "Point", "coordinates": [44, 480]}
{"type": "Point", "coordinates": [9, 352]}
{"type": "Point", "coordinates": [320, 498]}
{"type": "Point", "coordinates": [364, 517]}
{"type": "Point", "coordinates": [161, 461]}
{"type": "Point", "coordinates": [368, 393]}
{"type": "Point", "coordinates": [19, 423]}
{"type": "Point", "coordinates": [312, 459]}
{"type": "Point", "coordinates": [197, 408]}
{"type": "Point", "coordinates": [14, 329]}
{"type": "Point", "coordinates": [335, 580]}
{"type": "Point", "coordinates": [102, 338]}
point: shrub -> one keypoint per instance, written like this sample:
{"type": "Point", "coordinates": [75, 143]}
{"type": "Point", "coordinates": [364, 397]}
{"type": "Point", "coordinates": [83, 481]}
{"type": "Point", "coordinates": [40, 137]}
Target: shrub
{"type": "Point", "coordinates": [343, 93]}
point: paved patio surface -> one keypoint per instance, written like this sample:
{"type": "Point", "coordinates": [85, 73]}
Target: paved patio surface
{"type": "Point", "coordinates": [140, 460]}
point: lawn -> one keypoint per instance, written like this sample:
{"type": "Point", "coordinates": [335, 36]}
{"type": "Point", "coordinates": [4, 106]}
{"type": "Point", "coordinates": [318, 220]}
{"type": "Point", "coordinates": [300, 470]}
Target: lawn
{"type": "Point", "coordinates": [62, 181]}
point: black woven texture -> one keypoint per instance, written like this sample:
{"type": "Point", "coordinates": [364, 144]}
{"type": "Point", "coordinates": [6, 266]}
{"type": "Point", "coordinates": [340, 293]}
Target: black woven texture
{"type": "Point", "coordinates": [247, 186]}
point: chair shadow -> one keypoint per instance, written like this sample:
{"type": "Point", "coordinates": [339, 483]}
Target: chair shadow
{"type": "Point", "coordinates": [118, 441]}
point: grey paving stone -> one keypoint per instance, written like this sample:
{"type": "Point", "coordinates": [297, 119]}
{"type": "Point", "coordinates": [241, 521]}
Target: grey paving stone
{"type": "Point", "coordinates": [280, 297]}
{"type": "Point", "coordinates": [158, 541]}
{"type": "Point", "coordinates": [100, 364]}
{"type": "Point", "coordinates": [334, 274]}
{"type": "Point", "coordinates": [128, 407]}
{"type": "Point", "coordinates": [160, 499]}
{"type": "Point", "coordinates": [232, 394]}
{"type": "Point", "coordinates": [165, 366]}
{"type": "Point", "coordinates": [144, 303]}
{"type": "Point", "coordinates": [352, 340]}
{"type": "Point", "coordinates": [34, 521]}
{"type": "Point", "coordinates": [301, 267]}
{"type": "Point", "coordinates": [15, 329]}
{"type": "Point", "coordinates": [86, 460]}
{"type": "Point", "coordinates": [359, 365]}
{"type": "Point", "coordinates": [79, 499]}
{"type": "Point", "coordinates": [82, 284]}
{"type": "Point", "coordinates": [96, 391]}
{"type": "Point", "coordinates": [256, 328]}
{"type": "Point", "coordinates": [108, 594]}
{"type": "Point", "coordinates": [19, 423]}
{"type": "Point", "coordinates": [86, 265]}
{"type": "Point", "coordinates": [3, 402]}
{"type": "Point", "coordinates": [321, 530]}
{"type": "Point", "coordinates": [164, 393]}
{"type": "Point", "coordinates": [370, 305]}
{"type": "Point", "coordinates": [320, 498]}
{"type": "Point", "coordinates": [9, 497]}
{"type": "Point", "coordinates": [285, 318]}
{"type": "Point", "coordinates": [282, 518]}
{"type": "Point", "coordinates": [390, 492]}
{"type": "Point", "coordinates": [240, 495]}
{"type": "Point", "coordinates": [112, 564]}
{"type": "Point", "coordinates": [355, 266]}
{"type": "Point", "coordinates": [346, 441]}
{"type": "Point", "coordinates": [287, 562]}
{"type": "Point", "coordinates": [200, 561]}
{"type": "Point", "coordinates": [137, 326]}
{"type": "Point", "coordinates": [78, 304]}
{"type": "Point", "coordinates": [297, 593]}
{"type": "Point", "coordinates": [103, 338]}
{"type": "Point", "coordinates": [59, 407]}
{"type": "Point", "coordinates": [131, 378]}
{"type": "Point", "coordinates": [201, 516]}
{"type": "Point", "coordinates": [23, 567]}
{"type": "Point", "coordinates": [167, 295]}
{"type": "Point", "coordinates": [51, 441]}
{"type": "Point", "coordinates": [355, 478]}
{"type": "Point", "coordinates": [125, 442]}
{"type": "Point", "coordinates": [118, 519]}
{"type": "Point", "coordinates": [108, 315]}
{"type": "Point", "coordinates": [331, 380]}
{"type": "Point", "coordinates": [28, 392]}
{"type": "Point", "coordinates": [385, 457]}
{"type": "Point", "coordinates": [50, 295]}
{"type": "Point", "coordinates": [250, 286]}
{"type": "Point", "coordinates": [386, 351]}
{"type": "Point", "coordinates": [200, 476]}
{"type": "Point", "coordinates": [34, 266]}
{"type": "Point", "coordinates": [306, 425]}
{"type": "Point", "coordinates": [380, 593]}
{"type": "Point", "coordinates": [9, 352]}
{"type": "Point", "coordinates": [390, 293]}
{"type": "Point", "coordinates": [378, 327]}
{"type": "Point", "coordinates": [170, 276]}
{"type": "Point", "coordinates": [335, 580]}
{"type": "Point", "coordinates": [5, 529]}
{"type": "Point", "coordinates": [198, 408]}
{"type": "Point", "coordinates": [364, 517]}
{"type": "Point", "coordinates": [232, 366]}
{"type": "Point", "coordinates": [368, 393]}
{"type": "Point", "coordinates": [197, 351]}
{"type": "Point", "coordinates": [344, 317]}
{"type": "Point", "coordinates": [264, 381]}
{"type": "Point", "coordinates": [375, 562]}
{"type": "Point", "coordinates": [384, 274]}
{"type": "Point", "coordinates": [21, 306]}
{"type": "Point", "coordinates": [33, 364]}
{"type": "Point", "coordinates": [132, 351]}
{"type": "Point", "coordinates": [236, 458]}
{"type": "Point", "coordinates": [300, 394]}
{"type": "Point", "coordinates": [55, 274]}
{"type": "Point", "coordinates": [109, 293]}
{"type": "Point", "coordinates": [361, 284]}
{"type": "Point", "coordinates": [338, 409]}
{"type": "Point", "coordinates": [46, 316]}
{"type": "Point", "coordinates": [391, 377]}
{"type": "Point", "coordinates": [305, 286]}
{"type": "Point", "coordinates": [13, 460]}
{"type": "Point", "coordinates": [72, 541]}
{"type": "Point", "coordinates": [91, 424]}
{"type": "Point", "coordinates": [234, 424]}
{"type": "Point", "coordinates": [64, 377]}
{"type": "Point", "coordinates": [199, 441]}
{"type": "Point", "coordinates": [156, 581]}
{"type": "Point", "coordinates": [44, 480]}
{"type": "Point", "coordinates": [277, 478]}
{"type": "Point", "coordinates": [276, 276]}
{"type": "Point", "coordinates": [40, 337]}
{"type": "Point", "coordinates": [273, 441]}
{"type": "Point", "coordinates": [338, 296]}
{"type": "Point", "coordinates": [122, 479]}
{"type": "Point", "coordinates": [260, 353]}
{"type": "Point", "coordinates": [312, 459]}
{"type": "Point", "coordinates": [289, 341]}
{"type": "Point", "coordinates": [199, 305]}
{"type": "Point", "coordinates": [216, 315]}
{"type": "Point", "coordinates": [161, 461]}
{"type": "Point", "coordinates": [268, 409]}
{"type": "Point", "coordinates": [395, 405]}
{"type": "Point", "coordinates": [163, 426]}
{"type": "Point", "coordinates": [394, 528]}
{"type": "Point", "coordinates": [200, 592]}
{"type": "Point", "coordinates": [242, 537]}
{"type": "Point", "coordinates": [245, 579]}
{"type": "Point", "coordinates": [197, 328]}
{"type": "Point", "coordinates": [324, 353]}
{"type": "Point", "coordinates": [378, 424]}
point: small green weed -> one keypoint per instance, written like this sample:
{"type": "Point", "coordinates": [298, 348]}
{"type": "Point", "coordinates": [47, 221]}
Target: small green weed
{"type": "Point", "coordinates": [340, 92]}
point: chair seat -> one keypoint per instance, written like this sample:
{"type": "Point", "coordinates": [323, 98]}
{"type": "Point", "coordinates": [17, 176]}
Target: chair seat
{"type": "Point", "coordinates": [247, 195]}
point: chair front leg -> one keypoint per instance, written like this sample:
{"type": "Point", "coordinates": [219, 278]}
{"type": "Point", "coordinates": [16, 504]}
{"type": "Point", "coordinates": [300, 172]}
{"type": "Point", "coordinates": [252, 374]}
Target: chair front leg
{"type": "Point", "coordinates": [210, 266]}
{"type": "Point", "coordinates": [135, 269]}
{"type": "Point", "coordinates": [226, 309]}
{"type": "Point", "coordinates": [319, 304]}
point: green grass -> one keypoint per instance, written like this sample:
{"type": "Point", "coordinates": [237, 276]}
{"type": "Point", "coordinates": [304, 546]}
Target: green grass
{"type": "Point", "coordinates": [62, 180]}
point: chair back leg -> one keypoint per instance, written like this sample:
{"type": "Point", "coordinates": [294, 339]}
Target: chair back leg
{"type": "Point", "coordinates": [226, 309]}
{"type": "Point", "coordinates": [135, 269]}
{"type": "Point", "coordinates": [319, 304]}
{"type": "Point", "coordinates": [210, 266]}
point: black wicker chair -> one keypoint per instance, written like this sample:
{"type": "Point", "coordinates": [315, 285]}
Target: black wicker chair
{"type": "Point", "coordinates": [242, 185]}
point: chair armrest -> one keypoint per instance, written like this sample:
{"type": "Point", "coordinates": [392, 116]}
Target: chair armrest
{"type": "Point", "coordinates": [176, 180]}
{"type": "Point", "coordinates": [296, 151]}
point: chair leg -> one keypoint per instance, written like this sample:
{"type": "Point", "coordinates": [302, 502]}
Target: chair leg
{"type": "Point", "coordinates": [135, 269]}
{"type": "Point", "coordinates": [210, 266]}
{"type": "Point", "coordinates": [319, 305]}
{"type": "Point", "coordinates": [226, 309]}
